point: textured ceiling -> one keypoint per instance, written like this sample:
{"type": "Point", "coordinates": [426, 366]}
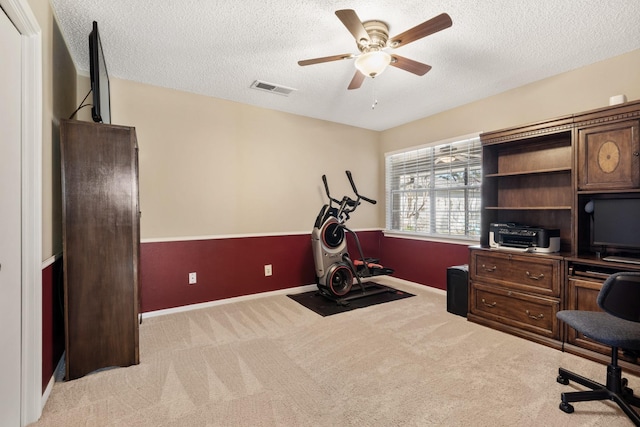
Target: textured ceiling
{"type": "Point", "coordinates": [219, 48]}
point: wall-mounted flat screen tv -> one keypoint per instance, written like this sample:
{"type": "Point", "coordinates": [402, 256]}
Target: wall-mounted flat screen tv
{"type": "Point", "coordinates": [101, 109]}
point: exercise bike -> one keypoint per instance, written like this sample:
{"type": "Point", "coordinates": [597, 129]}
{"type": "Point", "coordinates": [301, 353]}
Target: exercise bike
{"type": "Point", "coordinates": [335, 269]}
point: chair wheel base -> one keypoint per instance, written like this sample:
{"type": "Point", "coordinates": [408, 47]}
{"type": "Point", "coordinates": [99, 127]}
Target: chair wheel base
{"type": "Point", "coordinates": [566, 407]}
{"type": "Point", "coordinates": [562, 380]}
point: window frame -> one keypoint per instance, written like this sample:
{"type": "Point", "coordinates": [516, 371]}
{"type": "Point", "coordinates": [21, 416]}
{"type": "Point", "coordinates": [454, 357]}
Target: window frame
{"type": "Point", "coordinates": [429, 172]}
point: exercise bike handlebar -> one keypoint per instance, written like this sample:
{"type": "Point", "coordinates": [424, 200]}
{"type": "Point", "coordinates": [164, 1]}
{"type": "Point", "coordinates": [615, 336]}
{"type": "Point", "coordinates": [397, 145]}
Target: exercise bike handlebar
{"type": "Point", "coordinates": [347, 204]}
{"type": "Point", "coordinates": [347, 201]}
{"type": "Point", "coordinates": [355, 190]}
{"type": "Point", "coordinates": [326, 189]}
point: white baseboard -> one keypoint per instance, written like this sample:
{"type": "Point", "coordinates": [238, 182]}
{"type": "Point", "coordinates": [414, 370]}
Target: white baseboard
{"type": "Point", "coordinates": [304, 288]}
{"type": "Point", "coordinates": [52, 380]}
{"type": "Point", "coordinates": [190, 307]}
{"type": "Point", "coordinates": [416, 285]}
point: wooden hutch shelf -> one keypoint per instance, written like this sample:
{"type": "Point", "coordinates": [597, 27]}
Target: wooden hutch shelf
{"type": "Point", "coordinates": [533, 172]}
{"type": "Point", "coordinates": [527, 208]}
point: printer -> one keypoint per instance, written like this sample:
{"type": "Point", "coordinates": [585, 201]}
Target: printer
{"type": "Point", "coordinates": [510, 235]}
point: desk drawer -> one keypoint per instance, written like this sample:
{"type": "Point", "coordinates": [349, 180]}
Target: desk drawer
{"type": "Point", "coordinates": [527, 312]}
{"type": "Point", "coordinates": [521, 272]}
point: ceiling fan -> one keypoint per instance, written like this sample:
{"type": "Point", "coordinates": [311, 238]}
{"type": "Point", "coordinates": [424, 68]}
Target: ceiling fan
{"type": "Point", "coordinates": [372, 38]}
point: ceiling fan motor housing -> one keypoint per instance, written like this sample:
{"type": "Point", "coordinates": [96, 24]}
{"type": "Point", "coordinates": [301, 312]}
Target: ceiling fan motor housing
{"type": "Point", "coordinates": [378, 35]}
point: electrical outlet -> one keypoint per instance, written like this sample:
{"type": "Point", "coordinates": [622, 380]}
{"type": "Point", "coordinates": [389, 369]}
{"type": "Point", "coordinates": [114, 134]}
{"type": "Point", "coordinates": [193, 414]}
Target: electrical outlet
{"type": "Point", "coordinates": [193, 279]}
{"type": "Point", "coordinates": [267, 270]}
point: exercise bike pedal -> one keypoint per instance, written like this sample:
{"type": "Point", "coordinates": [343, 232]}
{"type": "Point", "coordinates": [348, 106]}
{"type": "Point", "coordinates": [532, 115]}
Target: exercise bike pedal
{"type": "Point", "coordinates": [377, 271]}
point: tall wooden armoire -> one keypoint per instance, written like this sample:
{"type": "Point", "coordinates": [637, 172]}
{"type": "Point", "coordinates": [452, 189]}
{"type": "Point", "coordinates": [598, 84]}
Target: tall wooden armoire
{"type": "Point", "coordinates": [101, 240]}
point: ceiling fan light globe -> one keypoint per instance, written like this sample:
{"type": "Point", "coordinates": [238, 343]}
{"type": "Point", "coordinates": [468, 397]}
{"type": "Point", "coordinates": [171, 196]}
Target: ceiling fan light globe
{"type": "Point", "coordinates": [372, 63]}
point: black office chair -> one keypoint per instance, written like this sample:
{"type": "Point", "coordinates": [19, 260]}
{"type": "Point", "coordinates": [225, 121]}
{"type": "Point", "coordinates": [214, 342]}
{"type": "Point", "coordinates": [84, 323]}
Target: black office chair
{"type": "Point", "coordinates": [619, 327]}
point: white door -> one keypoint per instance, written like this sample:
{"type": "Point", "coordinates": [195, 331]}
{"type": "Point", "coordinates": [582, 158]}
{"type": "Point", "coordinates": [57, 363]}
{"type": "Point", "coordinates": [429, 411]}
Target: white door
{"type": "Point", "coordinates": [10, 222]}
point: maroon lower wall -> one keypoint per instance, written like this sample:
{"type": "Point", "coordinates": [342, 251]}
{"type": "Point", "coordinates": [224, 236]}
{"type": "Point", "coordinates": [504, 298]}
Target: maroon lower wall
{"type": "Point", "coordinates": [421, 261]}
{"type": "Point", "coordinates": [52, 320]}
{"type": "Point", "coordinates": [225, 268]}
{"type": "Point", "coordinates": [234, 267]}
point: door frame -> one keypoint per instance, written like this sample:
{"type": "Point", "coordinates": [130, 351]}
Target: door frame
{"type": "Point", "coordinates": [31, 402]}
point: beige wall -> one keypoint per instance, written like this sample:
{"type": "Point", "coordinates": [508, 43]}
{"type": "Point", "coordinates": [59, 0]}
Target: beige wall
{"type": "Point", "coordinates": [59, 101]}
{"type": "Point", "coordinates": [579, 90]}
{"type": "Point", "coordinates": [214, 167]}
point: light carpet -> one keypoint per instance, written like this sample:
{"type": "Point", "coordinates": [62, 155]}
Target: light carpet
{"type": "Point", "coordinates": [271, 362]}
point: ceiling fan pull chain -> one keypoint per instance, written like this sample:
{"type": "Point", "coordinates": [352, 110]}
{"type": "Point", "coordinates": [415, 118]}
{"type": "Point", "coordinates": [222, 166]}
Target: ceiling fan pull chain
{"type": "Point", "coordinates": [373, 90]}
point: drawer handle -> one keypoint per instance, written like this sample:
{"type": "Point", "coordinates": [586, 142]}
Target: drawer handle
{"type": "Point", "coordinates": [489, 269]}
{"type": "Point", "coordinates": [532, 277]}
{"type": "Point", "coordinates": [491, 305]}
{"type": "Point", "coordinates": [538, 317]}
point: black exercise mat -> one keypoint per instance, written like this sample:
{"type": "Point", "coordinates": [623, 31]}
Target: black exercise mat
{"type": "Point", "coordinates": [324, 306]}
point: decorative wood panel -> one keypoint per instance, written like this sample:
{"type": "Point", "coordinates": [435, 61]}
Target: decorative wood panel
{"type": "Point", "coordinates": [609, 156]}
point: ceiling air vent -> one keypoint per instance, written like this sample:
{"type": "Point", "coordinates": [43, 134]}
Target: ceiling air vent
{"type": "Point", "coordinates": [273, 88]}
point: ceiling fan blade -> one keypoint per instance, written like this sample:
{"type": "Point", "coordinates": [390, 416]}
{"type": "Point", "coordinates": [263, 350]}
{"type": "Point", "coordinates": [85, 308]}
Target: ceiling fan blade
{"type": "Point", "coordinates": [353, 24]}
{"type": "Point", "coordinates": [325, 59]}
{"type": "Point", "coordinates": [429, 27]}
{"type": "Point", "coordinates": [356, 81]}
{"type": "Point", "coordinates": [410, 65]}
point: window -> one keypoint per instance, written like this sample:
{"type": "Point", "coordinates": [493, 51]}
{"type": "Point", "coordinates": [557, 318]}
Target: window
{"type": "Point", "coordinates": [435, 190]}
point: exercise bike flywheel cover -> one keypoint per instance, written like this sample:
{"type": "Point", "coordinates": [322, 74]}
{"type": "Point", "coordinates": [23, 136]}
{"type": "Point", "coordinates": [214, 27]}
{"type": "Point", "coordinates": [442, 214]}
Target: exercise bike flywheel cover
{"type": "Point", "coordinates": [339, 279]}
{"type": "Point", "coordinates": [332, 234]}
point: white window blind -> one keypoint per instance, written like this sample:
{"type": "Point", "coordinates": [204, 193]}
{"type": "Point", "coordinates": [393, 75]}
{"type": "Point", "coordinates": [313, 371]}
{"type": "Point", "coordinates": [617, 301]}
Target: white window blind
{"type": "Point", "coordinates": [435, 190]}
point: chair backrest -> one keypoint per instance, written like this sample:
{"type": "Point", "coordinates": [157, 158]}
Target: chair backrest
{"type": "Point", "coordinates": [620, 296]}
